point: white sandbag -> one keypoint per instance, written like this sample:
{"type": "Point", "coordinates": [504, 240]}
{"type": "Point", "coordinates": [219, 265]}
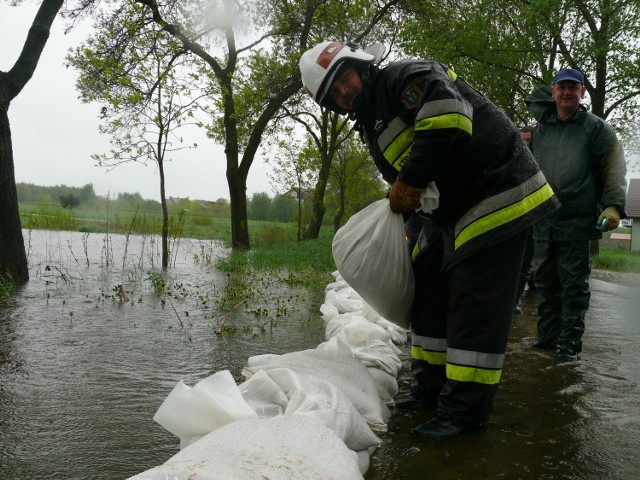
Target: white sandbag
{"type": "Point", "coordinates": [356, 330]}
{"type": "Point", "coordinates": [343, 301]}
{"type": "Point", "coordinates": [289, 447]}
{"type": "Point", "coordinates": [189, 413]}
{"type": "Point", "coordinates": [397, 334]}
{"type": "Point", "coordinates": [344, 371]}
{"type": "Point", "coordinates": [370, 351]}
{"type": "Point", "coordinates": [264, 395]}
{"type": "Point", "coordinates": [329, 312]}
{"type": "Point", "coordinates": [314, 398]}
{"type": "Point", "coordinates": [373, 257]}
{"type": "Point", "coordinates": [387, 385]}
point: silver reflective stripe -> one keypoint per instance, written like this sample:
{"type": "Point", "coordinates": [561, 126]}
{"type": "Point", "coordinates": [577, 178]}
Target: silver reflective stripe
{"type": "Point", "coordinates": [468, 358]}
{"type": "Point", "coordinates": [501, 200]}
{"type": "Point", "coordinates": [395, 128]}
{"type": "Point", "coordinates": [442, 107]}
{"type": "Point", "coordinates": [429, 343]}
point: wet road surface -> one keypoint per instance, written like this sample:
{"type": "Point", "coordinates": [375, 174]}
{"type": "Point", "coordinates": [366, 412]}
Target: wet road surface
{"type": "Point", "coordinates": [552, 420]}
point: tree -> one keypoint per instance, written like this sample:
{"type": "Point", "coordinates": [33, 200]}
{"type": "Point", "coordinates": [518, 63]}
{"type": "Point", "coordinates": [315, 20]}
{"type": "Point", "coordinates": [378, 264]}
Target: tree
{"type": "Point", "coordinates": [360, 22]}
{"type": "Point", "coordinates": [253, 81]}
{"type": "Point", "coordinates": [293, 174]}
{"type": "Point", "coordinates": [354, 182]}
{"type": "Point", "coordinates": [327, 131]}
{"type": "Point", "coordinates": [508, 47]}
{"type": "Point", "coordinates": [145, 100]}
{"type": "Point", "coordinates": [259, 206]}
{"type": "Point", "coordinates": [13, 258]}
{"type": "Point", "coordinates": [283, 209]}
{"type": "Point", "coordinates": [69, 200]}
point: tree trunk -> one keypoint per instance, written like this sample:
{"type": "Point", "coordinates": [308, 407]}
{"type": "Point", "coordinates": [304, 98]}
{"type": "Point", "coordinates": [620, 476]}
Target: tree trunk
{"type": "Point", "coordinates": [238, 202]}
{"type": "Point", "coordinates": [317, 205]}
{"type": "Point", "coordinates": [13, 258]}
{"type": "Point", "coordinates": [165, 218]}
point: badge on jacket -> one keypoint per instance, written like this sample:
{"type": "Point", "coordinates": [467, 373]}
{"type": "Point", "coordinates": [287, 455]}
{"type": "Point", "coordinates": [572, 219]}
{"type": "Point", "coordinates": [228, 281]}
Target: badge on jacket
{"type": "Point", "coordinates": [411, 96]}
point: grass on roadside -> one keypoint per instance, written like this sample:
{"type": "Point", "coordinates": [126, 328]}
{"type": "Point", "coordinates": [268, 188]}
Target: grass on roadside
{"type": "Point", "coordinates": [617, 260]}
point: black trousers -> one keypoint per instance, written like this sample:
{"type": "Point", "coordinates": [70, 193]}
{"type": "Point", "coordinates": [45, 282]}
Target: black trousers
{"type": "Point", "coordinates": [461, 320]}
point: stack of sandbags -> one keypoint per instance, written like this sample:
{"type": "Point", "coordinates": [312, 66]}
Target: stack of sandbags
{"type": "Point", "coordinates": [307, 414]}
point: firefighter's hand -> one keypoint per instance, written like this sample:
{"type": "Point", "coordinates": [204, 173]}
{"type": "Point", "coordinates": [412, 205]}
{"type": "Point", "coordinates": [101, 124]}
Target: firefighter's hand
{"type": "Point", "coordinates": [403, 198]}
{"type": "Point", "coordinates": [609, 219]}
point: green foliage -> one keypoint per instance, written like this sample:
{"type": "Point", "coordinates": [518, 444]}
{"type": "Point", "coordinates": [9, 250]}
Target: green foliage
{"type": "Point", "coordinates": [354, 182]}
{"type": "Point", "coordinates": [8, 287]}
{"type": "Point", "coordinates": [283, 209]}
{"type": "Point", "coordinates": [80, 196]}
{"type": "Point", "coordinates": [69, 200]}
{"type": "Point", "coordinates": [505, 48]}
{"type": "Point", "coordinates": [158, 280]}
{"type": "Point", "coordinates": [259, 205]}
{"type": "Point", "coordinates": [50, 217]}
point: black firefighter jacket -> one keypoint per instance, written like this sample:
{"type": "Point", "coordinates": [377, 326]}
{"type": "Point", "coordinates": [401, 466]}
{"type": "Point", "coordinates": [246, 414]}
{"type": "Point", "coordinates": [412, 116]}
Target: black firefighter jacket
{"type": "Point", "coordinates": [422, 123]}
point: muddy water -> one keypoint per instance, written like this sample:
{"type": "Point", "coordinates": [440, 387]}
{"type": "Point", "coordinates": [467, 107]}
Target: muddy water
{"type": "Point", "coordinates": [82, 370]}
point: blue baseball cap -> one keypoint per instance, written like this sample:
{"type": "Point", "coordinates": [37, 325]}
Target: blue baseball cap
{"type": "Point", "coordinates": [569, 74]}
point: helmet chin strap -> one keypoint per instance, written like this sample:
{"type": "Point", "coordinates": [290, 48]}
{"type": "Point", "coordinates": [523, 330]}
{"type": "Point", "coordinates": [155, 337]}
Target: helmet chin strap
{"type": "Point", "coordinates": [364, 101]}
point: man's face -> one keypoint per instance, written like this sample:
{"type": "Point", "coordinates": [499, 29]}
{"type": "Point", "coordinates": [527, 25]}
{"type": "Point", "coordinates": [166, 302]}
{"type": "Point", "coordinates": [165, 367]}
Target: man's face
{"type": "Point", "coordinates": [346, 88]}
{"type": "Point", "coordinates": [526, 136]}
{"type": "Point", "coordinates": [567, 95]}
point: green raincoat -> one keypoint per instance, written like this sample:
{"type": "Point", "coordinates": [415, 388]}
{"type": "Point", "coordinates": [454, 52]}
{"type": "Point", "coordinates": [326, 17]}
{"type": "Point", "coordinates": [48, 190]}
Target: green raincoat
{"type": "Point", "coordinates": [583, 162]}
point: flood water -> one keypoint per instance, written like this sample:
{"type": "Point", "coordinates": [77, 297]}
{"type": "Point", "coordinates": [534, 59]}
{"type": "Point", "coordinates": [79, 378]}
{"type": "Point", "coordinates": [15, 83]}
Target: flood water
{"type": "Point", "coordinates": [83, 369]}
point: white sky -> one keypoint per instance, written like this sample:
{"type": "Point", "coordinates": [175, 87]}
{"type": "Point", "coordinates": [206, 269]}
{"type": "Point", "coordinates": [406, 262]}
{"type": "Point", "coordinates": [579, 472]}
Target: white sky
{"type": "Point", "coordinates": [54, 134]}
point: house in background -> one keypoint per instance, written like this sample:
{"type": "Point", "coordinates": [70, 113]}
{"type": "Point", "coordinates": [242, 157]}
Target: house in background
{"type": "Point", "coordinates": [633, 212]}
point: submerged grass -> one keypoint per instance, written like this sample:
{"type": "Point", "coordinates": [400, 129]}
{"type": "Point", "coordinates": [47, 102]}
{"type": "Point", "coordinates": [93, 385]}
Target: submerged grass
{"type": "Point", "coordinates": [274, 245]}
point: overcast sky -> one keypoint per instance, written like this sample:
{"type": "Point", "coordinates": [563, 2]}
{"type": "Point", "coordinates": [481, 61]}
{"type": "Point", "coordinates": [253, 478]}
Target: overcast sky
{"type": "Point", "coordinates": [54, 134]}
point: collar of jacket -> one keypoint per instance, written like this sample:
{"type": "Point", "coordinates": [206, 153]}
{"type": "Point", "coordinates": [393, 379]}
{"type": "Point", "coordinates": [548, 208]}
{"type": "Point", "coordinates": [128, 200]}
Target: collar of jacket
{"type": "Point", "coordinates": [577, 117]}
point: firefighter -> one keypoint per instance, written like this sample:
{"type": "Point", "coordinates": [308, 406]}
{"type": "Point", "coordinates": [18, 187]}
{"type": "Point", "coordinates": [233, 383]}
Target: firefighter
{"type": "Point", "coordinates": [423, 123]}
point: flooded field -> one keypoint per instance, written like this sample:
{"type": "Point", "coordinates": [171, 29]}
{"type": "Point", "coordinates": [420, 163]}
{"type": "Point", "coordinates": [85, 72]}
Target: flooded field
{"type": "Point", "coordinates": [89, 350]}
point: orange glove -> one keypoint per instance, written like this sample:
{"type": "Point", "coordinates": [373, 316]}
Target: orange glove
{"type": "Point", "coordinates": [403, 198]}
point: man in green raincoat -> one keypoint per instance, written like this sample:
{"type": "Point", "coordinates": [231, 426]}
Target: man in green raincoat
{"type": "Point", "coordinates": [583, 162]}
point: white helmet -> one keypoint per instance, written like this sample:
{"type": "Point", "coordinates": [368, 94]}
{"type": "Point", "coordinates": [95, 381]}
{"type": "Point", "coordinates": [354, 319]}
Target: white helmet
{"type": "Point", "coordinates": [320, 64]}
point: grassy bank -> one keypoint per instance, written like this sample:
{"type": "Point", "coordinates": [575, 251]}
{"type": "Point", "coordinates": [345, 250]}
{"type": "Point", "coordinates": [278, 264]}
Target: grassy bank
{"type": "Point", "coordinates": [274, 245]}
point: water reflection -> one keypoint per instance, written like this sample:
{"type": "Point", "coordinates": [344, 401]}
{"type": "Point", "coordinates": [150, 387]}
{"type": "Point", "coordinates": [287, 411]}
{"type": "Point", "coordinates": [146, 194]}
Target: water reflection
{"type": "Point", "coordinates": [82, 372]}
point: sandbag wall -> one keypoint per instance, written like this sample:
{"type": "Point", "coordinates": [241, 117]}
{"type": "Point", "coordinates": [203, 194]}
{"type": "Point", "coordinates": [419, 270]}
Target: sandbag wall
{"type": "Point", "coordinates": [310, 414]}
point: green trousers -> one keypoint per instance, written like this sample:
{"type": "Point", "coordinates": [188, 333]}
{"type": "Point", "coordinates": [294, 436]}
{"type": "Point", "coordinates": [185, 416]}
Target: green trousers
{"type": "Point", "coordinates": [562, 279]}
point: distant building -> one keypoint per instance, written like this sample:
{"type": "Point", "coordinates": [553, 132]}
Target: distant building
{"type": "Point", "coordinates": [633, 212]}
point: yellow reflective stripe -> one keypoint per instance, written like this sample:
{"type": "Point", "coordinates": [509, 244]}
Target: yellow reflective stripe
{"type": "Point", "coordinates": [415, 251]}
{"type": "Point", "coordinates": [399, 149]}
{"type": "Point", "coordinates": [503, 215]}
{"type": "Point", "coordinates": [434, 108]}
{"type": "Point", "coordinates": [433, 358]}
{"type": "Point", "coordinates": [389, 134]}
{"type": "Point", "coordinates": [449, 120]}
{"type": "Point", "coordinates": [494, 203]}
{"type": "Point", "coordinates": [473, 374]}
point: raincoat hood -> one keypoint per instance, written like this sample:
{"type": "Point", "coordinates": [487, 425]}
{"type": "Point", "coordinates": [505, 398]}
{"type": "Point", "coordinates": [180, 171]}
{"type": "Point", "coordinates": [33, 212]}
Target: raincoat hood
{"type": "Point", "coordinates": [540, 102]}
